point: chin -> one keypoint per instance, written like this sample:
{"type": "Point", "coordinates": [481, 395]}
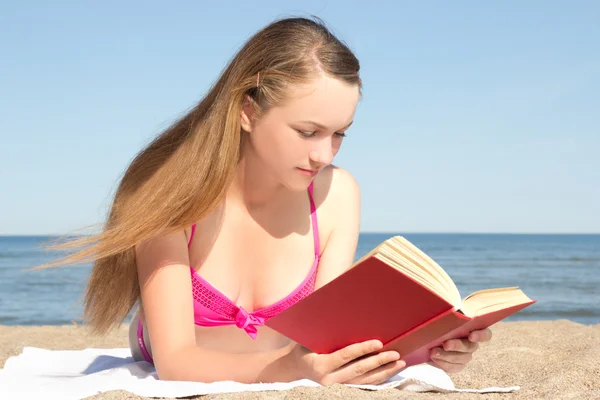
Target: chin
{"type": "Point", "coordinates": [297, 183]}
{"type": "Point", "coordinates": [296, 186]}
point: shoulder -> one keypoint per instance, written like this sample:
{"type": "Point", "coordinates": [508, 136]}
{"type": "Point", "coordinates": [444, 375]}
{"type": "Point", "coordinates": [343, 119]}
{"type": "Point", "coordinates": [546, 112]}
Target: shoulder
{"type": "Point", "coordinates": [337, 198]}
{"type": "Point", "coordinates": [340, 213]}
{"type": "Point", "coordinates": [335, 185]}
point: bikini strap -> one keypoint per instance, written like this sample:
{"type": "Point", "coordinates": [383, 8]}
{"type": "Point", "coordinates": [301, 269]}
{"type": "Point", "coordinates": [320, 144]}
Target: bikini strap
{"type": "Point", "coordinates": [192, 235]}
{"type": "Point", "coordinates": [313, 217]}
{"type": "Point", "coordinates": [315, 223]}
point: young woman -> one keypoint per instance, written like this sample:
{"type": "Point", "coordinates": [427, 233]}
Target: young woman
{"type": "Point", "coordinates": [236, 212]}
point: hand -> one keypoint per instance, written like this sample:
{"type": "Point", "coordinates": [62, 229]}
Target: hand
{"type": "Point", "coordinates": [354, 364]}
{"type": "Point", "coordinates": [455, 354]}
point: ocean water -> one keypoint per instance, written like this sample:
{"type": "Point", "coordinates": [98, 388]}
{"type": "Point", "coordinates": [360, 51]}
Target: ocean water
{"type": "Point", "coordinates": [562, 272]}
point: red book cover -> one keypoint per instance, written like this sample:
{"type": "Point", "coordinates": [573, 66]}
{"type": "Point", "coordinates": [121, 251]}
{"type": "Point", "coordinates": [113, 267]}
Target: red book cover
{"type": "Point", "coordinates": [376, 301]}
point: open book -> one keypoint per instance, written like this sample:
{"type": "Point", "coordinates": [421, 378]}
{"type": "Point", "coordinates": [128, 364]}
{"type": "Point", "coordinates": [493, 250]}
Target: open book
{"type": "Point", "coordinates": [396, 294]}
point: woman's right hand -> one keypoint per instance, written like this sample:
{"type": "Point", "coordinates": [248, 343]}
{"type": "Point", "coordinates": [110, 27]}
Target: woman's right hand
{"type": "Point", "coordinates": [354, 364]}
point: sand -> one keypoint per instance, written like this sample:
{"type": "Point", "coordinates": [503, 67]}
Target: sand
{"type": "Point", "coordinates": [547, 359]}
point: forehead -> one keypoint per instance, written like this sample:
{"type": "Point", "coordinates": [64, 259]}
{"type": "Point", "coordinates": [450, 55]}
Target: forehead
{"type": "Point", "coordinates": [328, 101]}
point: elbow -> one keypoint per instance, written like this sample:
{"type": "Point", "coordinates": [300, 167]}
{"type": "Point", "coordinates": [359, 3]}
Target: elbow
{"type": "Point", "coordinates": [168, 371]}
{"type": "Point", "coordinates": [178, 373]}
{"type": "Point", "coordinates": [180, 366]}
{"type": "Point", "coordinates": [182, 375]}
{"type": "Point", "coordinates": [167, 375]}
{"type": "Point", "coordinates": [171, 367]}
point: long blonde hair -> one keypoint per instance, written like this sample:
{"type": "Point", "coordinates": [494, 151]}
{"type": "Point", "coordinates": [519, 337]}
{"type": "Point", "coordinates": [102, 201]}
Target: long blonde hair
{"type": "Point", "coordinates": [183, 174]}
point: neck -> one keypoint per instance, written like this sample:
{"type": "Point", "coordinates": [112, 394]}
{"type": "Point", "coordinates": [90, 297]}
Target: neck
{"type": "Point", "coordinates": [254, 187]}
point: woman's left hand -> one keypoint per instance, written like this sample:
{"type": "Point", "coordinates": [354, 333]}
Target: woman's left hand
{"type": "Point", "coordinates": [455, 354]}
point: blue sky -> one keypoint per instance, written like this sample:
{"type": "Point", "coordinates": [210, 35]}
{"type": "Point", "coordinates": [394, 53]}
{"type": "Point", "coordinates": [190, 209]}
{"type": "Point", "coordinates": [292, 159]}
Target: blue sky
{"type": "Point", "coordinates": [476, 117]}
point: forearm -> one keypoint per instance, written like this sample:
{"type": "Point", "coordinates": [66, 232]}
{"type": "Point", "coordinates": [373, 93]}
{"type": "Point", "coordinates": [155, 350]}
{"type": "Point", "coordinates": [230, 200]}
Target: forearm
{"type": "Point", "coordinates": [202, 365]}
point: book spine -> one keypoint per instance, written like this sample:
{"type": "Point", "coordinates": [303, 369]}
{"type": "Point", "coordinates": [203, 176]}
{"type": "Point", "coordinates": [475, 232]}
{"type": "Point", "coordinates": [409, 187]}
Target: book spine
{"type": "Point", "coordinates": [411, 345]}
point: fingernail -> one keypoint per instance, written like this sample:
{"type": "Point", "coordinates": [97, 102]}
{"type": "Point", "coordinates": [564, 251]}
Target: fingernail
{"type": "Point", "coordinates": [436, 353]}
{"type": "Point", "coordinates": [450, 346]}
{"type": "Point", "coordinates": [473, 337]}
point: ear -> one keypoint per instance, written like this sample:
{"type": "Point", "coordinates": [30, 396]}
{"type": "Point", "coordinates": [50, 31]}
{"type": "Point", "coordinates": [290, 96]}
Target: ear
{"type": "Point", "coordinates": [247, 114]}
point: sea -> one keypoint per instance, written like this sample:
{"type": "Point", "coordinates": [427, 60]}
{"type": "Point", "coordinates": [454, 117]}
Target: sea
{"type": "Point", "coordinates": [561, 272]}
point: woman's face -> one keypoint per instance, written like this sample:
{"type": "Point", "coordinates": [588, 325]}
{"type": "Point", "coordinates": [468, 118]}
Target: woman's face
{"type": "Point", "coordinates": [294, 140]}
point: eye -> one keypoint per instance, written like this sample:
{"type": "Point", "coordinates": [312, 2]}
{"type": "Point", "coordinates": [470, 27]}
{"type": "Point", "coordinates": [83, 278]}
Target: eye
{"type": "Point", "coordinates": [305, 134]}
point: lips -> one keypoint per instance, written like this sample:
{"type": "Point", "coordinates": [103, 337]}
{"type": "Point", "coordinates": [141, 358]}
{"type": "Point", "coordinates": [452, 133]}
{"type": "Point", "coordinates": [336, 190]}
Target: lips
{"type": "Point", "coordinates": [309, 172]}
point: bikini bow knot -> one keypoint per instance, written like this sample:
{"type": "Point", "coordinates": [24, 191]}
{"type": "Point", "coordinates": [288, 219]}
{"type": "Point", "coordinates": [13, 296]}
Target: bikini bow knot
{"type": "Point", "coordinates": [248, 322]}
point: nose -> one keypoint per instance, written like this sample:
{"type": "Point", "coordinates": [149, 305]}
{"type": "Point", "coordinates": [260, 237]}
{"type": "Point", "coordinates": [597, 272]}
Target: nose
{"type": "Point", "coordinates": [322, 152]}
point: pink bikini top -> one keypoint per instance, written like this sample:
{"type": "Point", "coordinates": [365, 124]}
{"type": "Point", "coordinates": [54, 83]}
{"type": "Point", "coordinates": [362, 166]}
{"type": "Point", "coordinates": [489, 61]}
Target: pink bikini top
{"type": "Point", "coordinates": [212, 308]}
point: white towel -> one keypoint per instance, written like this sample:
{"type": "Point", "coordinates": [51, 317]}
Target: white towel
{"type": "Point", "coordinates": [75, 374]}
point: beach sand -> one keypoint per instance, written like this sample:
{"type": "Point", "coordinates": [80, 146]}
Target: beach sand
{"type": "Point", "coordinates": [547, 359]}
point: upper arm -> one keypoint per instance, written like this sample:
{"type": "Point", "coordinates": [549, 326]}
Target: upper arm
{"type": "Point", "coordinates": [343, 208]}
{"type": "Point", "coordinates": [166, 292]}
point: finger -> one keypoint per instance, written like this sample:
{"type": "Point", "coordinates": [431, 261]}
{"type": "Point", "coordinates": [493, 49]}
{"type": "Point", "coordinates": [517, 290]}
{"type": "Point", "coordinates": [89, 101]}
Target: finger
{"type": "Point", "coordinates": [380, 374]}
{"type": "Point", "coordinates": [460, 345]}
{"type": "Point", "coordinates": [453, 357]}
{"type": "Point", "coordinates": [364, 366]}
{"type": "Point", "coordinates": [483, 335]}
{"type": "Point", "coordinates": [354, 351]}
{"type": "Point", "coordinates": [449, 367]}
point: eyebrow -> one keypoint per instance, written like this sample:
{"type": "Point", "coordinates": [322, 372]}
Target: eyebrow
{"type": "Point", "coordinates": [321, 126]}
